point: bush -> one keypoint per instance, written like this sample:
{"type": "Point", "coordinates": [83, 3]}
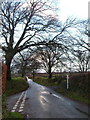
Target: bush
{"type": "Point", "coordinates": [63, 84]}
{"type": "Point", "coordinates": [58, 79]}
{"type": "Point", "coordinates": [80, 82]}
{"type": "Point", "coordinates": [78, 87]}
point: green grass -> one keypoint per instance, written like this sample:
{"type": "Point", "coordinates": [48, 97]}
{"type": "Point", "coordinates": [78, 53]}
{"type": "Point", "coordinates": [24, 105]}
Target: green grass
{"type": "Point", "coordinates": [16, 85]}
{"type": "Point", "coordinates": [45, 81]}
{"type": "Point", "coordinates": [13, 115]}
{"type": "Point", "coordinates": [75, 95]}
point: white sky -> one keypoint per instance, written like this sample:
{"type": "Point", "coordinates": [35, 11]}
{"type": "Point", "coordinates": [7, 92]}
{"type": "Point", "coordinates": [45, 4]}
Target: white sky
{"type": "Point", "coordinates": [74, 8]}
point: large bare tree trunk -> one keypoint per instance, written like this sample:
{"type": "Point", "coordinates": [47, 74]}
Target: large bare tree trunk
{"type": "Point", "coordinates": [49, 73]}
{"type": "Point", "coordinates": [9, 56]}
{"type": "Point", "coordinates": [23, 71]}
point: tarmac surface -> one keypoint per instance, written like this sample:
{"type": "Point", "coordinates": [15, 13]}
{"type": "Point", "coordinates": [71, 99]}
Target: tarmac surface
{"type": "Point", "coordinates": [42, 102]}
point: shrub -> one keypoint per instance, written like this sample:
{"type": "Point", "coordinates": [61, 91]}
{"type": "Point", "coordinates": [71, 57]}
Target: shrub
{"type": "Point", "coordinates": [80, 82]}
{"type": "Point", "coordinates": [59, 78]}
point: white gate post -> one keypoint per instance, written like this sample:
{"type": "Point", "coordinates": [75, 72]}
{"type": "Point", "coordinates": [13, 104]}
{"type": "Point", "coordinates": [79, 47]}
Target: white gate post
{"type": "Point", "coordinates": [67, 81]}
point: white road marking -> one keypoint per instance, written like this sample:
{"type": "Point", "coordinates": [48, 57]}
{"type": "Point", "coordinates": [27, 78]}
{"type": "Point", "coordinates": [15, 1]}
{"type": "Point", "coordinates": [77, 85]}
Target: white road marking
{"type": "Point", "coordinates": [22, 105]}
{"type": "Point", "coordinates": [57, 96]}
{"type": "Point", "coordinates": [13, 110]}
{"type": "Point", "coordinates": [20, 110]}
{"type": "Point", "coordinates": [15, 106]}
{"type": "Point", "coordinates": [18, 101]}
{"type": "Point", "coordinates": [23, 102]}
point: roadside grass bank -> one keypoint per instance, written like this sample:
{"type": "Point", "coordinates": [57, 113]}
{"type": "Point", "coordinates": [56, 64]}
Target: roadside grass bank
{"type": "Point", "coordinates": [78, 86]}
{"type": "Point", "coordinates": [45, 81]}
{"type": "Point", "coordinates": [75, 95]}
{"type": "Point", "coordinates": [16, 85]}
{"type": "Point", "coordinates": [14, 115]}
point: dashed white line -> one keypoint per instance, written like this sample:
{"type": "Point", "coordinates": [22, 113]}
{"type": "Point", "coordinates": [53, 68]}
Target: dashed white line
{"type": "Point", "coordinates": [15, 106]}
{"type": "Point", "coordinates": [23, 102]}
{"type": "Point", "coordinates": [22, 105]}
{"type": "Point", "coordinates": [20, 110]}
{"type": "Point", "coordinates": [23, 97]}
{"type": "Point", "coordinates": [13, 110]}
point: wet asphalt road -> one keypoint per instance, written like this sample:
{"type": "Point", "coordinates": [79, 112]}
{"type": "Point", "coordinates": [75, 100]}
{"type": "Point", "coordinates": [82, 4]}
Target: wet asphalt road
{"type": "Point", "coordinates": [42, 102]}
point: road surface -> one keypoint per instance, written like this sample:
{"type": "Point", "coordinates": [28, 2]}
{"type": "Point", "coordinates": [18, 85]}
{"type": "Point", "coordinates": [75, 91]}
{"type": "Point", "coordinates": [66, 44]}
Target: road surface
{"type": "Point", "coordinates": [41, 102]}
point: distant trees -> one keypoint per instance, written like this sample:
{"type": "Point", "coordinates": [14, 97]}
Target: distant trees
{"type": "Point", "coordinates": [33, 66]}
{"type": "Point", "coordinates": [20, 63]}
{"type": "Point", "coordinates": [50, 56]}
{"type": "Point", "coordinates": [25, 63]}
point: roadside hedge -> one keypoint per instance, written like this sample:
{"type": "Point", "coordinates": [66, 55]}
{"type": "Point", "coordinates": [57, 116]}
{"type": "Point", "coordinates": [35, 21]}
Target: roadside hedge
{"type": "Point", "coordinates": [80, 82]}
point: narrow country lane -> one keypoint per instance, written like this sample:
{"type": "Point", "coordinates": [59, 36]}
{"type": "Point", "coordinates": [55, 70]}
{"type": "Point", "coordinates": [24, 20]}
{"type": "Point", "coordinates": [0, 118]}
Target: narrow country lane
{"type": "Point", "coordinates": [41, 102]}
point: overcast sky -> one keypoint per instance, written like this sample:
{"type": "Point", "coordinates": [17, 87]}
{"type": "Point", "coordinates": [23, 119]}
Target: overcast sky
{"type": "Point", "coordinates": [75, 8]}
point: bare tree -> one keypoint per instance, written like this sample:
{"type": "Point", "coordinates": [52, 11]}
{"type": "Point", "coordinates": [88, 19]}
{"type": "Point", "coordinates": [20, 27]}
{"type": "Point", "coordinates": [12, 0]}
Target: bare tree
{"type": "Point", "coordinates": [20, 24]}
{"type": "Point", "coordinates": [26, 25]}
{"type": "Point", "coordinates": [81, 60]}
{"type": "Point", "coordinates": [50, 56]}
{"type": "Point", "coordinates": [25, 63]}
{"type": "Point", "coordinates": [34, 65]}
{"type": "Point", "coordinates": [79, 47]}
{"type": "Point", "coordinates": [20, 63]}
{"type": "Point", "coordinates": [82, 35]}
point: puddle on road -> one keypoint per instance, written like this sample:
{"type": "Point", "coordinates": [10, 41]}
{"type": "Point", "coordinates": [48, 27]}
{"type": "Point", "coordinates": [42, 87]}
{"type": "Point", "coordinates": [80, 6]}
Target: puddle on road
{"type": "Point", "coordinates": [43, 100]}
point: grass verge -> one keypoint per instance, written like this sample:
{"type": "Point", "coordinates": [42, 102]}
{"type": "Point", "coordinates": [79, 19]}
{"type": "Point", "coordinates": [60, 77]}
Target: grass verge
{"type": "Point", "coordinates": [45, 81]}
{"type": "Point", "coordinates": [16, 85]}
{"type": "Point", "coordinates": [13, 115]}
{"type": "Point", "coordinates": [75, 95]}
